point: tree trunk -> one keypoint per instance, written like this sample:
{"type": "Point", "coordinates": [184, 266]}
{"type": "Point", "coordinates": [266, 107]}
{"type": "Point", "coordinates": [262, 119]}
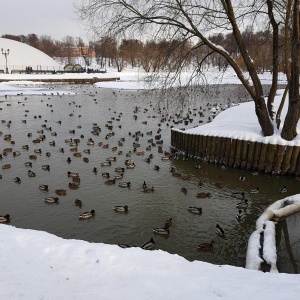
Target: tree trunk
{"type": "Point", "coordinates": [289, 130]}
{"type": "Point", "coordinates": [263, 117]}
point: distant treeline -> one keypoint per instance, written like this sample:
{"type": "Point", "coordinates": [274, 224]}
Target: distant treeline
{"type": "Point", "coordinates": [156, 55]}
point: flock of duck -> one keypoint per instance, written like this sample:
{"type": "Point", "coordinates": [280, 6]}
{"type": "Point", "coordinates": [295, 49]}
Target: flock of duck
{"type": "Point", "coordinates": [75, 149]}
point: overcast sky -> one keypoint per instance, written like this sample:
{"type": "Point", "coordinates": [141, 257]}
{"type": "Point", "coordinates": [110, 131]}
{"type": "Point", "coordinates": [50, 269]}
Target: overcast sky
{"type": "Point", "coordinates": [56, 18]}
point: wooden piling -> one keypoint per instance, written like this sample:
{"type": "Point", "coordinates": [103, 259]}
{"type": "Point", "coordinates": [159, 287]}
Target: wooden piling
{"type": "Point", "coordinates": [218, 149]}
{"type": "Point", "coordinates": [286, 159]}
{"type": "Point", "coordinates": [222, 151]}
{"type": "Point", "coordinates": [276, 169]}
{"type": "Point", "coordinates": [250, 155]}
{"type": "Point", "coordinates": [270, 157]}
{"type": "Point", "coordinates": [244, 154]}
{"type": "Point", "coordinates": [256, 156]}
{"type": "Point", "coordinates": [204, 143]}
{"type": "Point", "coordinates": [294, 159]}
{"type": "Point", "coordinates": [227, 151]}
{"type": "Point", "coordinates": [208, 148]}
{"type": "Point", "coordinates": [237, 161]}
{"type": "Point", "coordinates": [213, 149]}
{"type": "Point", "coordinates": [262, 157]}
{"type": "Point", "coordinates": [232, 153]}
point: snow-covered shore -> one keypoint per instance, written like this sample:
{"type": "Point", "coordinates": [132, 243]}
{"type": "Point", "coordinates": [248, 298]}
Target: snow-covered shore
{"type": "Point", "coordinates": [39, 265]}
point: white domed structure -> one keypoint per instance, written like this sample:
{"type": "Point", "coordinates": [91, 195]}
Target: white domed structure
{"type": "Point", "coordinates": [21, 55]}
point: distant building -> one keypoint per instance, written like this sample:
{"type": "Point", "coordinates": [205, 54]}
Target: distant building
{"type": "Point", "coordinates": [22, 55]}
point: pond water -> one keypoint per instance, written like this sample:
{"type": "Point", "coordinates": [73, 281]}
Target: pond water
{"type": "Point", "coordinates": [73, 114]}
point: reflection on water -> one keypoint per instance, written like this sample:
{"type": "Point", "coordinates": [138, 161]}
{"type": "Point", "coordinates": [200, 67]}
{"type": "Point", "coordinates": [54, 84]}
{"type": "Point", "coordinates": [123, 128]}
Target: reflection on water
{"type": "Point", "coordinates": [74, 116]}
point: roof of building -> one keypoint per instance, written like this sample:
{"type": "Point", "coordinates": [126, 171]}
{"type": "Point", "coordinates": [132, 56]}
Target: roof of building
{"type": "Point", "coordinates": [22, 55]}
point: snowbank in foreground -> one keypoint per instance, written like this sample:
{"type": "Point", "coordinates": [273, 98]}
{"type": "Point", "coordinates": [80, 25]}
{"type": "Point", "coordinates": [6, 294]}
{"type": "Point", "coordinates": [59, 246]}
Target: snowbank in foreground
{"type": "Point", "coordinates": [39, 265]}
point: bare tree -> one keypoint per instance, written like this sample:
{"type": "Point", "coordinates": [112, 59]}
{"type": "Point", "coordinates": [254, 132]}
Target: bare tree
{"type": "Point", "coordinates": [194, 21]}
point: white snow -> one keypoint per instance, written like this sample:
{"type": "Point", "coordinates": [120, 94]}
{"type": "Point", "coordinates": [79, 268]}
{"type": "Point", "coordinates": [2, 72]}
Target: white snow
{"type": "Point", "coordinates": [39, 265]}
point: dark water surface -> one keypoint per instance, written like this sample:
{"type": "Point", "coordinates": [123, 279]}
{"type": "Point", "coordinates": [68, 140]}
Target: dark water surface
{"type": "Point", "coordinates": [24, 201]}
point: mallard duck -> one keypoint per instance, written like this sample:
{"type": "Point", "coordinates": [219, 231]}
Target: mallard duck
{"type": "Point", "coordinates": [46, 167]}
{"type": "Point", "coordinates": [124, 246]}
{"type": "Point", "coordinates": [124, 184]}
{"type": "Point", "coordinates": [51, 199]}
{"type": "Point", "coordinates": [156, 168]}
{"type": "Point", "coordinates": [61, 192]}
{"type": "Point", "coordinates": [184, 190]}
{"type": "Point", "coordinates": [16, 153]}
{"type": "Point", "coordinates": [17, 180]}
{"type": "Point", "coordinates": [148, 245]}
{"type": "Point", "coordinates": [255, 173]}
{"type": "Point", "coordinates": [162, 230]}
{"type": "Point", "coordinates": [283, 190]}
{"type": "Point", "coordinates": [254, 191]}
{"type": "Point", "coordinates": [242, 178]}
{"type": "Point", "coordinates": [95, 170]}
{"type": "Point", "coordinates": [6, 166]}
{"type": "Point", "coordinates": [87, 151]}
{"type": "Point", "coordinates": [110, 181]}
{"type": "Point", "coordinates": [73, 174]}
{"type": "Point", "coordinates": [238, 195]}
{"type": "Point", "coordinates": [106, 164]}
{"type": "Point", "coordinates": [31, 173]}
{"type": "Point", "coordinates": [105, 175]}
{"type": "Point", "coordinates": [111, 158]}
{"type": "Point", "coordinates": [43, 187]}
{"type": "Point", "coordinates": [120, 208]}
{"type": "Point", "coordinates": [195, 210]}
{"type": "Point", "coordinates": [242, 204]}
{"type": "Point", "coordinates": [148, 189]}
{"type": "Point", "coordinates": [131, 166]}
{"type": "Point", "coordinates": [74, 185]}
{"type": "Point", "coordinates": [119, 176]}
{"type": "Point", "coordinates": [203, 195]}
{"type": "Point", "coordinates": [219, 230]}
{"type": "Point", "coordinates": [240, 215]}
{"type": "Point", "coordinates": [168, 222]}
{"type": "Point", "coordinates": [206, 247]}
{"type": "Point", "coordinates": [86, 159]}
{"type": "Point", "coordinates": [69, 160]}
{"type": "Point", "coordinates": [5, 219]}
{"type": "Point", "coordinates": [78, 203]}
{"type": "Point", "coordinates": [28, 164]}
{"type": "Point", "coordinates": [87, 215]}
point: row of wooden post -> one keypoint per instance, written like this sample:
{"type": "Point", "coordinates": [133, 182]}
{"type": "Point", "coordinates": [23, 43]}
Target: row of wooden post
{"type": "Point", "coordinates": [256, 156]}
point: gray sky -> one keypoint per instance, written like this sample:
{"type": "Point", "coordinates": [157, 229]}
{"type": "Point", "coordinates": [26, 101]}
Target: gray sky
{"type": "Point", "coordinates": [56, 18]}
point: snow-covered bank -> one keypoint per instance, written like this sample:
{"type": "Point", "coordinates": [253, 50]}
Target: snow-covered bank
{"type": "Point", "coordinates": [240, 122]}
{"type": "Point", "coordinates": [280, 209]}
{"type": "Point", "coordinates": [38, 265]}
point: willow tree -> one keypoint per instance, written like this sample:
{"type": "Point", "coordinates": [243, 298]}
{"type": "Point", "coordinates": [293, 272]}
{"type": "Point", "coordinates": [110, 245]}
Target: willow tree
{"type": "Point", "coordinates": [196, 21]}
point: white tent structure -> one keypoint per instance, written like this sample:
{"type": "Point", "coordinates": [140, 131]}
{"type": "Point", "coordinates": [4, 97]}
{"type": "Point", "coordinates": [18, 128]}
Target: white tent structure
{"type": "Point", "coordinates": [16, 56]}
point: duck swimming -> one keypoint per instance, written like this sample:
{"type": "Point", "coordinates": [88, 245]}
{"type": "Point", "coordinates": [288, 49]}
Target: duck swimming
{"type": "Point", "coordinates": [87, 215]}
{"type": "Point", "coordinates": [254, 191]}
{"type": "Point", "coordinates": [43, 187]}
{"type": "Point", "coordinates": [31, 174]}
{"type": "Point", "coordinates": [283, 190]}
{"type": "Point", "coordinates": [203, 195]}
{"type": "Point", "coordinates": [17, 180]}
{"type": "Point", "coordinates": [148, 245]}
{"type": "Point", "coordinates": [124, 184]}
{"type": "Point", "coordinates": [51, 199]}
{"type": "Point", "coordinates": [240, 215]}
{"type": "Point", "coordinates": [242, 178]}
{"type": "Point", "coordinates": [219, 230]}
{"type": "Point", "coordinates": [195, 210]}
{"type": "Point", "coordinates": [242, 204]}
{"type": "Point", "coordinates": [106, 164]}
{"type": "Point", "coordinates": [238, 195]}
{"type": "Point", "coordinates": [5, 219]}
{"type": "Point", "coordinates": [168, 222]}
{"type": "Point", "coordinates": [120, 208]}
{"type": "Point", "coordinates": [206, 247]}
{"type": "Point", "coordinates": [110, 181]}
{"type": "Point", "coordinates": [161, 230]}
{"type": "Point", "coordinates": [61, 192]}
{"type": "Point", "coordinates": [78, 203]}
